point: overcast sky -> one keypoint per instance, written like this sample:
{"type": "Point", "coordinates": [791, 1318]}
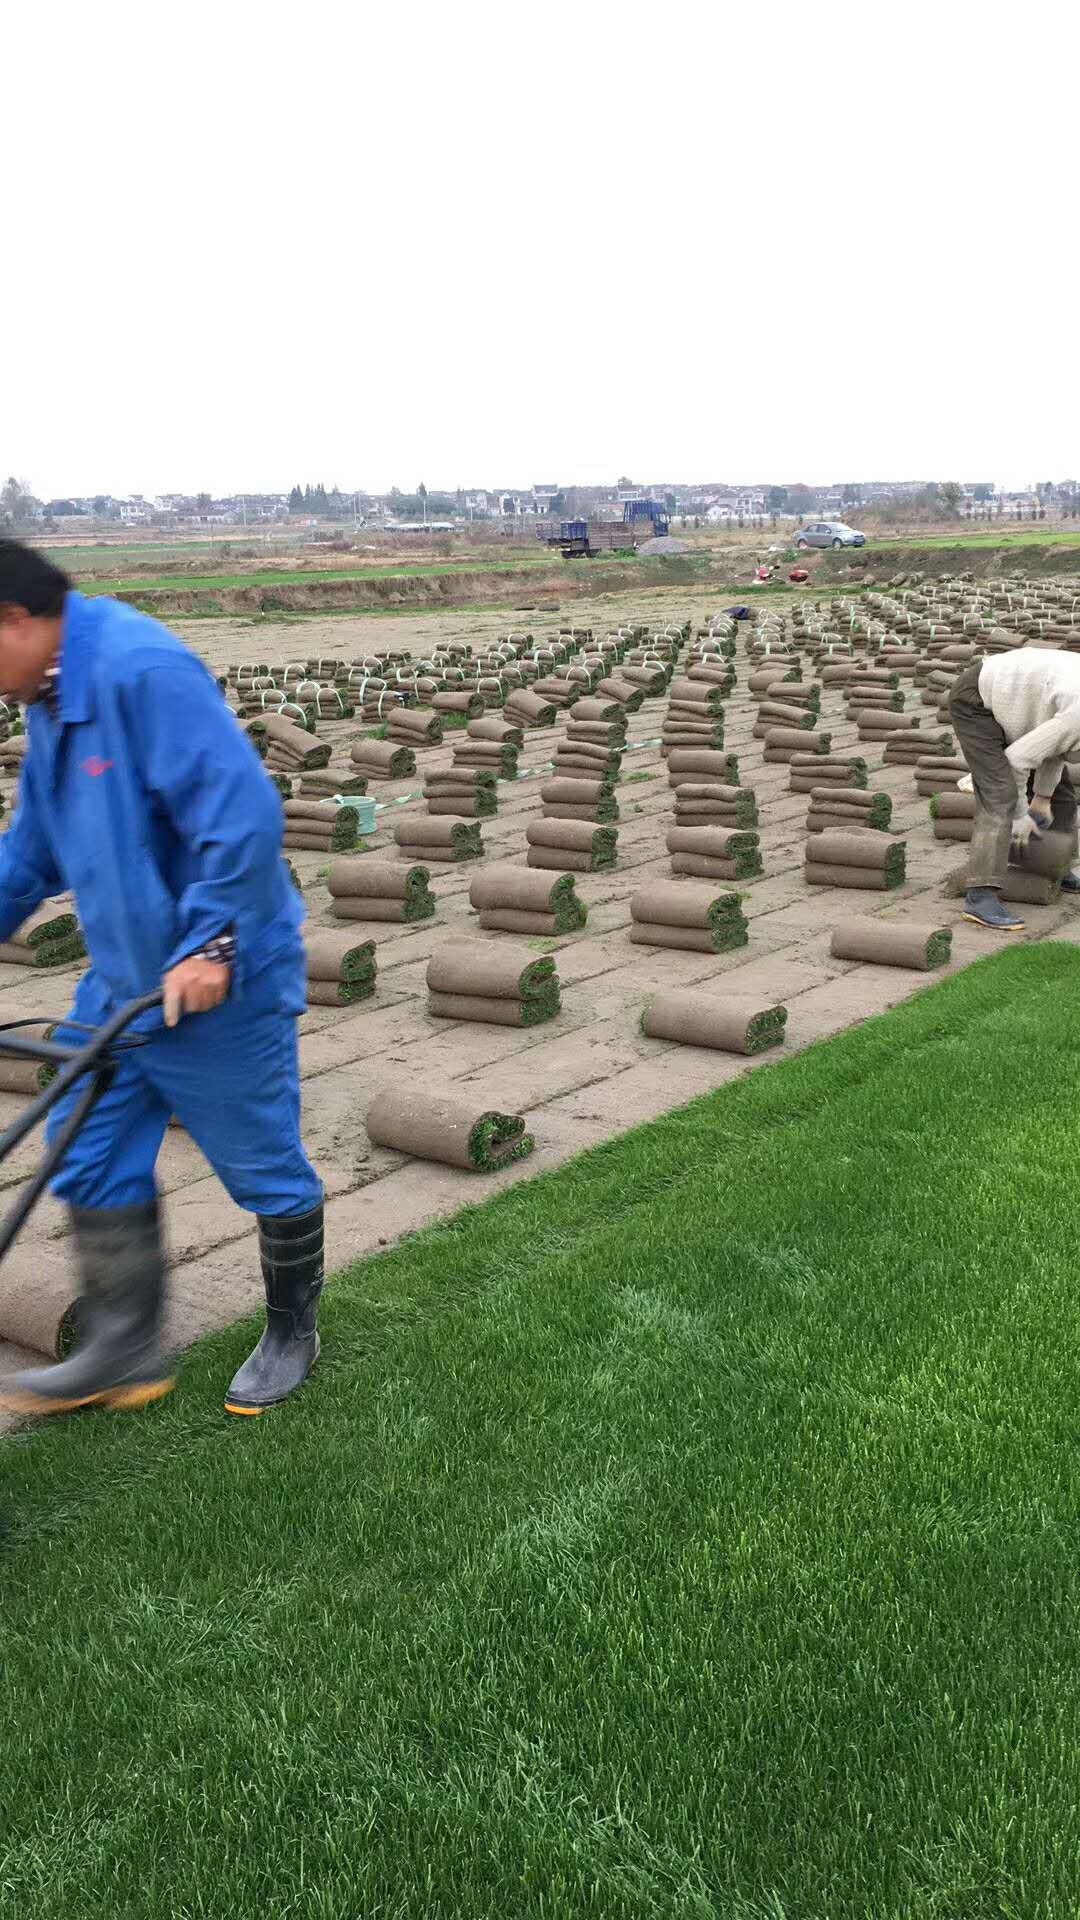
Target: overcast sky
{"type": "Point", "coordinates": [503, 245]}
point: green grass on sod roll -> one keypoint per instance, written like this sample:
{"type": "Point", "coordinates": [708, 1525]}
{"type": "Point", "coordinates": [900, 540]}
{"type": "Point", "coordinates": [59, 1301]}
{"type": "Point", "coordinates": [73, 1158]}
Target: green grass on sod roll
{"type": "Point", "coordinates": [420, 902]}
{"type": "Point", "coordinates": [62, 926]}
{"type": "Point", "coordinates": [58, 953]}
{"type": "Point", "coordinates": [497, 1139]}
{"type": "Point", "coordinates": [543, 1005]}
{"type": "Point", "coordinates": [895, 864]}
{"type": "Point", "coordinates": [651, 1543]}
{"type": "Point", "coordinates": [570, 912]}
{"type": "Point", "coordinates": [766, 1029]}
{"type": "Point", "coordinates": [350, 991]}
{"type": "Point", "coordinates": [939, 947]}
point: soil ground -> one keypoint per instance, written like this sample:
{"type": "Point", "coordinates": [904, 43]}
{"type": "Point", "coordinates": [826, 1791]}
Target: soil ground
{"type": "Point", "coordinates": [588, 1074]}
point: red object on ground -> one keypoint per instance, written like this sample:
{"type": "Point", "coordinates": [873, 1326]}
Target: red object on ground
{"type": "Point", "coordinates": [798, 573]}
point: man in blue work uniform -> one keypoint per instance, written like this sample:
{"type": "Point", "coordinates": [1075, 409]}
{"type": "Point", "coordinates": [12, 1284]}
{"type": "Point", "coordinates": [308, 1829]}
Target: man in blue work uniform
{"type": "Point", "coordinates": [140, 793]}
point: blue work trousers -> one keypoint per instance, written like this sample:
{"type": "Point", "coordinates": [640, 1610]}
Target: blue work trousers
{"type": "Point", "coordinates": [232, 1079]}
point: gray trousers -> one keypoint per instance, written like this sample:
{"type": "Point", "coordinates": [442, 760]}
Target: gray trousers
{"type": "Point", "coordinates": [983, 743]}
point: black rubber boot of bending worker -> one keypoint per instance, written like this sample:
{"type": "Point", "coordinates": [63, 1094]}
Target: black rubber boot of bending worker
{"type": "Point", "coordinates": [292, 1264]}
{"type": "Point", "coordinates": [985, 906]}
{"type": "Point", "coordinates": [118, 1360]}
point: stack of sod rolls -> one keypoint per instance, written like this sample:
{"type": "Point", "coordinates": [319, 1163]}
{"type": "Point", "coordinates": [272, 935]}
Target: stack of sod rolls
{"type": "Point", "coordinates": [690, 766]}
{"type": "Point", "coordinates": [285, 747]}
{"type": "Point", "coordinates": [622, 693]}
{"type": "Point", "coordinates": [880, 701]}
{"type": "Point", "coordinates": [832, 806]}
{"type": "Point", "coordinates": [440, 840]}
{"type": "Point", "coordinates": [712, 804]}
{"type": "Point", "coordinates": [695, 716]}
{"type": "Point", "coordinates": [499, 758]}
{"type": "Point", "coordinates": [574, 799]}
{"type": "Point", "coordinates": [528, 710]}
{"type": "Point", "coordinates": [471, 704]}
{"type": "Point", "coordinates": [409, 727]}
{"type": "Point", "coordinates": [450, 1127]}
{"type": "Point", "coordinates": [783, 743]}
{"type": "Point", "coordinates": [907, 749]}
{"type": "Point", "coordinates": [857, 858]}
{"type": "Point", "coordinates": [340, 968]}
{"type": "Point", "coordinates": [513, 899]}
{"type": "Point", "coordinates": [875, 724]}
{"type": "Point", "coordinates": [370, 889]}
{"type": "Point", "coordinates": [775, 682]}
{"type": "Point", "coordinates": [571, 846]}
{"type": "Point", "coordinates": [733, 1023]}
{"type": "Point", "coordinates": [938, 773]}
{"type": "Point", "coordinates": [469, 792]}
{"type": "Point", "coordinates": [480, 980]}
{"type": "Point", "coordinates": [382, 760]}
{"type": "Point", "coordinates": [51, 937]}
{"type": "Point", "coordinates": [320, 826]}
{"type": "Point", "coordinates": [953, 815]}
{"type": "Point", "coordinates": [714, 853]}
{"type": "Point", "coordinates": [773, 714]}
{"type": "Point", "coordinates": [810, 770]}
{"type": "Point", "coordinates": [588, 760]}
{"type": "Point", "coordinates": [886, 943]}
{"type": "Point", "coordinates": [687, 914]}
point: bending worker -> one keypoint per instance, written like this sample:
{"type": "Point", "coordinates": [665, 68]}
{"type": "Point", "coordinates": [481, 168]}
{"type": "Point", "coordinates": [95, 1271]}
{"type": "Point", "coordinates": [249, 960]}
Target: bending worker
{"type": "Point", "coordinates": [140, 793]}
{"type": "Point", "coordinates": [1017, 718]}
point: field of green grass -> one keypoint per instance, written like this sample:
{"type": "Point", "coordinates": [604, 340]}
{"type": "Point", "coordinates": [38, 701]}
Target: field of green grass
{"type": "Point", "coordinates": [689, 1533]}
{"type": "Point", "coordinates": [1017, 536]}
{"type": "Point", "coordinates": [305, 577]}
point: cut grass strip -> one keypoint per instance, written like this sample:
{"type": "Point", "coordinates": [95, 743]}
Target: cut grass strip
{"type": "Point", "coordinates": [690, 1532]}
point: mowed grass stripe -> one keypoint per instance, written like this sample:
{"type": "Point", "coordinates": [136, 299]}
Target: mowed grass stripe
{"type": "Point", "coordinates": [689, 1532]}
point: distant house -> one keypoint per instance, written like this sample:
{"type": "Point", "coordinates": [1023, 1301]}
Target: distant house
{"type": "Point", "coordinates": [544, 498]}
{"type": "Point", "coordinates": [136, 512]}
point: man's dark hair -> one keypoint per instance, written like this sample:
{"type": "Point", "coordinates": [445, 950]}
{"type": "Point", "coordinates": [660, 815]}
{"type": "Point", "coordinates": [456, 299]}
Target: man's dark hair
{"type": "Point", "coordinates": [28, 579]}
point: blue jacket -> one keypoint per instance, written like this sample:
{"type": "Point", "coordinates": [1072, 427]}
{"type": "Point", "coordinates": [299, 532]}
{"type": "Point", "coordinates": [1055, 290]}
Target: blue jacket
{"type": "Point", "coordinates": [143, 796]}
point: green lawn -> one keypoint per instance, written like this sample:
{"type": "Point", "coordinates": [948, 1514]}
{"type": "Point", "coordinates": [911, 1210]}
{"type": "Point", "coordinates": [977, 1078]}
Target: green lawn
{"type": "Point", "coordinates": [1005, 536]}
{"type": "Point", "coordinates": [689, 1533]}
{"type": "Point", "coordinates": [305, 577]}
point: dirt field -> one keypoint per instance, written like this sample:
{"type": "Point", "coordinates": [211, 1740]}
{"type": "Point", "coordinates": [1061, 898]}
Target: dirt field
{"type": "Point", "coordinates": [588, 1074]}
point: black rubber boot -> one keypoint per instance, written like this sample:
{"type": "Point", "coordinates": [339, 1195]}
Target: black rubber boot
{"type": "Point", "coordinates": [985, 906]}
{"type": "Point", "coordinates": [118, 1361]}
{"type": "Point", "coordinates": [292, 1265]}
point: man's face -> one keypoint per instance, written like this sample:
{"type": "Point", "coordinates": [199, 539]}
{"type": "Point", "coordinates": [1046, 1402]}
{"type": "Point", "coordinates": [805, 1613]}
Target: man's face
{"type": "Point", "coordinates": [29, 643]}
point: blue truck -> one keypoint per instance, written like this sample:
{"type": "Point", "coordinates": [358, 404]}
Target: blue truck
{"type": "Point", "coordinates": [581, 539]}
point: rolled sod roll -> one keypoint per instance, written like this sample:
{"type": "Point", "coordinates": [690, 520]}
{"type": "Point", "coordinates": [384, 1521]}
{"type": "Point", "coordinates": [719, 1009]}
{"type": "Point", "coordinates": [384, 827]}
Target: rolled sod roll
{"type": "Point", "coordinates": [596, 844]}
{"type": "Point", "coordinates": [599, 813]}
{"type": "Point", "coordinates": [952, 806]}
{"type": "Point", "coordinates": [675, 903]}
{"type": "Point", "coordinates": [42, 1311]}
{"type": "Point", "coordinates": [367, 884]}
{"type": "Point", "coordinates": [820, 873]}
{"type": "Point", "coordinates": [763, 678]}
{"type": "Point", "coordinates": [648, 933]}
{"type": "Point", "coordinates": [323, 783]}
{"type": "Point", "coordinates": [701, 866]}
{"type": "Point", "coordinates": [485, 968]}
{"type": "Point", "coordinates": [383, 759]}
{"type": "Point", "coordinates": [693, 764]}
{"type": "Point", "coordinates": [411, 727]}
{"type": "Point", "coordinates": [598, 752]}
{"type": "Point", "coordinates": [891, 944]}
{"type": "Point", "coordinates": [730, 844]}
{"type": "Point", "coordinates": [595, 736]}
{"type": "Point", "coordinates": [504, 888]}
{"type": "Point", "coordinates": [448, 1127]}
{"type": "Point", "coordinates": [478, 804]}
{"type": "Point", "coordinates": [875, 677]}
{"type": "Point", "coordinates": [529, 710]}
{"type": "Point", "coordinates": [597, 711]}
{"type": "Point", "coordinates": [771, 712]}
{"type": "Point", "coordinates": [45, 926]}
{"type": "Point", "coordinates": [500, 733]}
{"type": "Point", "coordinates": [48, 953]}
{"type": "Point", "coordinates": [1049, 853]}
{"type": "Point", "coordinates": [796, 740]}
{"type": "Point", "coordinates": [440, 838]}
{"type": "Point", "coordinates": [614, 687]}
{"type": "Point", "coordinates": [471, 704]}
{"type": "Point", "coordinates": [501, 761]}
{"type": "Point", "coordinates": [459, 779]}
{"type": "Point", "coordinates": [489, 1011]}
{"type": "Point", "coordinates": [881, 720]}
{"type": "Point", "coordinates": [735, 1024]}
{"type": "Point", "coordinates": [564, 792]}
{"type": "Point", "coordinates": [290, 740]}
{"type": "Point", "coordinates": [696, 693]}
{"type": "Point", "coordinates": [861, 849]}
{"type": "Point", "coordinates": [952, 829]}
{"type": "Point", "coordinates": [569, 765]}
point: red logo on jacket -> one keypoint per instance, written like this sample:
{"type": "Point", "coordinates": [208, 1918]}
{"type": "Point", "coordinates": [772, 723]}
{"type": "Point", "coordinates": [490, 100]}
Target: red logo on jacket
{"type": "Point", "coordinates": [96, 766]}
